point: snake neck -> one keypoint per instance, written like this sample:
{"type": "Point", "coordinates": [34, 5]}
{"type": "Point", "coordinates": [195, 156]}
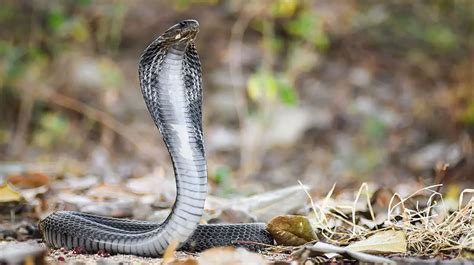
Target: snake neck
{"type": "Point", "coordinates": [174, 102]}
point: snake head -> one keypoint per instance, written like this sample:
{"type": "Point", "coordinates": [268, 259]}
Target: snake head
{"type": "Point", "coordinates": [185, 31]}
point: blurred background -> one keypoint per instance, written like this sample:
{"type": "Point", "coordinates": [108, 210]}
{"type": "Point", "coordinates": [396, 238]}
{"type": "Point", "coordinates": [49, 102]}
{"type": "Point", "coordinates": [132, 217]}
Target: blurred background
{"type": "Point", "coordinates": [327, 91]}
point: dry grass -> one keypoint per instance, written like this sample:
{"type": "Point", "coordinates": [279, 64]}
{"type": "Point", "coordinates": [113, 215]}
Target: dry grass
{"type": "Point", "coordinates": [431, 228]}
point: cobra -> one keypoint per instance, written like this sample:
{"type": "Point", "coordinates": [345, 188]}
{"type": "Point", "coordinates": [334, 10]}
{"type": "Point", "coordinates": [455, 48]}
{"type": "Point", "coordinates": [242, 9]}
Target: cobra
{"type": "Point", "coordinates": [171, 83]}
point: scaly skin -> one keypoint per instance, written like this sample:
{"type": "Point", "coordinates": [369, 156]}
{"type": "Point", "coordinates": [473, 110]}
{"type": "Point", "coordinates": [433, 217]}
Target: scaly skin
{"type": "Point", "coordinates": [171, 84]}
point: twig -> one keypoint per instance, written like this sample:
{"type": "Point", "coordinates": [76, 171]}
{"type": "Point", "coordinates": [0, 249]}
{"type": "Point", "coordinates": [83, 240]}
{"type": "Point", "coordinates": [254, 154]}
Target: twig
{"type": "Point", "coordinates": [91, 113]}
{"type": "Point", "coordinates": [18, 144]}
{"type": "Point", "coordinates": [461, 197]}
{"type": "Point", "coordinates": [235, 70]}
{"type": "Point", "coordinates": [369, 205]}
{"type": "Point", "coordinates": [411, 195]}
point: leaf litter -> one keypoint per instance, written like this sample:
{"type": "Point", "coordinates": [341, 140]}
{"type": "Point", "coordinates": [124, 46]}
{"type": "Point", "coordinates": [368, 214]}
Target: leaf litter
{"type": "Point", "coordinates": [420, 224]}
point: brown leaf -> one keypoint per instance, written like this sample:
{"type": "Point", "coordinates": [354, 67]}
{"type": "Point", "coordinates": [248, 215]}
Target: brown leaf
{"type": "Point", "coordinates": [382, 197]}
{"type": "Point", "coordinates": [230, 256]}
{"type": "Point", "coordinates": [29, 180]}
{"type": "Point", "coordinates": [168, 256]}
{"type": "Point", "coordinates": [187, 261]}
{"type": "Point", "coordinates": [291, 230]}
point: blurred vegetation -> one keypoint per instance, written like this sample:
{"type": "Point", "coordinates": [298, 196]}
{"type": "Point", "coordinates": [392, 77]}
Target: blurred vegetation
{"type": "Point", "coordinates": [36, 38]}
{"type": "Point", "coordinates": [42, 109]}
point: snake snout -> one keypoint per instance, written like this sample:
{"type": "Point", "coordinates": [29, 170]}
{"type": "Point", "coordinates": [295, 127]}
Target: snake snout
{"type": "Point", "coordinates": [184, 31]}
{"type": "Point", "coordinates": [189, 24]}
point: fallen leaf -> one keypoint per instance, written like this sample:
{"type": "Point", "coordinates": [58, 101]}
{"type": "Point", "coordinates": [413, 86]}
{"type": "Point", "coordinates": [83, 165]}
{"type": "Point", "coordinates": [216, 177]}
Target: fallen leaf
{"type": "Point", "coordinates": [9, 194]}
{"type": "Point", "coordinates": [75, 183]}
{"type": "Point", "coordinates": [467, 253]}
{"type": "Point", "coordinates": [168, 256]}
{"type": "Point", "coordinates": [384, 242]}
{"type": "Point", "coordinates": [187, 261]}
{"type": "Point", "coordinates": [29, 180]}
{"type": "Point", "coordinates": [230, 256]}
{"type": "Point", "coordinates": [382, 198]}
{"type": "Point", "coordinates": [21, 253]}
{"type": "Point", "coordinates": [291, 230]}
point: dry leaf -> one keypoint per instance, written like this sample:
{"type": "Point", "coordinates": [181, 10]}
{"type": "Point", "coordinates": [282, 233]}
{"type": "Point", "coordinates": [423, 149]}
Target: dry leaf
{"type": "Point", "coordinates": [382, 198]}
{"type": "Point", "coordinates": [384, 242]}
{"type": "Point", "coordinates": [8, 194]}
{"type": "Point", "coordinates": [29, 180]}
{"type": "Point", "coordinates": [291, 230]}
{"type": "Point", "coordinates": [187, 261]}
{"type": "Point", "coordinates": [168, 256]}
{"type": "Point", "coordinates": [468, 253]}
{"type": "Point", "coordinates": [22, 253]}
{"type": "Point", "coordinates": [230, 256]}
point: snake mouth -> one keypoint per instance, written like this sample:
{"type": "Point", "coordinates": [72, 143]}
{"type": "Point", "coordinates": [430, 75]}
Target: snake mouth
{"type": "Point", "coordinates": [184, 31]}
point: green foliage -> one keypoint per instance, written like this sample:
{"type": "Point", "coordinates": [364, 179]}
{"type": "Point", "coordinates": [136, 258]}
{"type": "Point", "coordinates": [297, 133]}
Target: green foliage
{"type": "Point", "coordinates": [185, 4]}
{"type": "Point", "coordinates": [55, 18]}
{"type": "Point", "coordinates": [39, 38]}
{"type": "Point", "coordinates": [5, 136]}
{"type": "Point", "coordinates": [12, 66]}
{"type": "Point", "coordinates": [84, 2]}
{"type": "Point", "coordinates": [468, 115]}
{"type": "Point", "coordinates": [374, 128]}
{"type": "Point", "coordinates": [264, 85]}
{"type": "Point", "coordinates": [53, 130]}
{"type": "Point", "coordinates": [441, 37]}
{"type": "Point", "coordinates": [284, 8]}
{"type": "Point", "coordinates": [222, 175]}
{"type": "Point", "coordinates": [7, 12]}
{"type": "Point", "coordinates": [435, 27]}
{"type": "Point", "coordinates": [287, 92]}
{"type": "Point", "coordinates": [308, 26]}
{"type": "Point", "coordinates": [269, 86]}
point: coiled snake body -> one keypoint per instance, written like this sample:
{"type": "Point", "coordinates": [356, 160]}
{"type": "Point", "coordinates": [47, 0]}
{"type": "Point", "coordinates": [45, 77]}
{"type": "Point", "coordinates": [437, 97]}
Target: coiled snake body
{"type": "Point", "coordinates": [170, 79]}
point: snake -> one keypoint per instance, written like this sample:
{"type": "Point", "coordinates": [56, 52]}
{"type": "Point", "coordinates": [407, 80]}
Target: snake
{"type": "Point", "coordinates": [170, 78]}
